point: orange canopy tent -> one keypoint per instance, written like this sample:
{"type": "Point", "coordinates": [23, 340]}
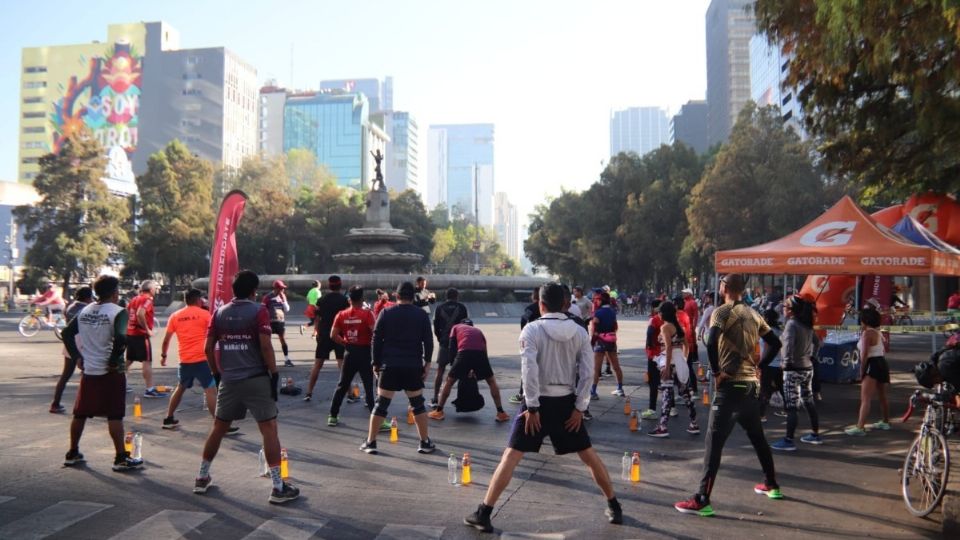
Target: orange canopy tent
{"type": "Point", "coordinates": [843, 240]}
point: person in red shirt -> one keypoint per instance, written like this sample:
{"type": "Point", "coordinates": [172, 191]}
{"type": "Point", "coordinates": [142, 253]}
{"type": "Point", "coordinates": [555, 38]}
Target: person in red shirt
{"type": "Point", "coordinates": [139, 331]}
{"type": "Point", "coordinates": [470, 348]}
{"type": "Point", "coordinates": [653, 350]}
{"type": "Point", "coordinates": [353, 328]}
{"type": "Point", "coordinates": [692, 311]}
{"type": "Point", "coordinates": [382, 303]}
{"type": "Point", "coordinates": [953, 303]}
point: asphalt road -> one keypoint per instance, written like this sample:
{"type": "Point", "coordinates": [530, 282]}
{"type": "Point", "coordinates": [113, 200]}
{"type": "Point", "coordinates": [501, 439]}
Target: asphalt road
{"type": "Point", "coordinates": [849, 487]}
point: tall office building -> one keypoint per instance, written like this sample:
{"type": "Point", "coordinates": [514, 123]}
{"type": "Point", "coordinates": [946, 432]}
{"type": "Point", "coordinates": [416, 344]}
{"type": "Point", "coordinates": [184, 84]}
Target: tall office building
{"type": "Point", "coordinates": [730, 25]}
{"type": "Point", "coordinates": [638, 129]}
{"type": "Point", "coordinates": [273, 100]}
{"type": "Point", "coordinates": [402, 156]}
{"type": "Point", "coordinates": [689, 126]}
{"type": "Point", "coordinates": [336, 127]}
{"type": "Point", "coordinates": [379, 95]}
{"type": "Point", "coordinates": [460, 173]}
{"type": "Point", "coordinates": [137, 91]}
{"type": "Point", "coordinates": [506, 225]}
{"type": "Point", "coordinates": [768, 72]}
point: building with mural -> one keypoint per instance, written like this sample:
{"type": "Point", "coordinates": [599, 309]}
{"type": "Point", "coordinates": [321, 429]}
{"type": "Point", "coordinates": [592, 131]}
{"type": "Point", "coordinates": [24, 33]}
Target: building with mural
{"type": "Point", "coordinates": [137, 91]}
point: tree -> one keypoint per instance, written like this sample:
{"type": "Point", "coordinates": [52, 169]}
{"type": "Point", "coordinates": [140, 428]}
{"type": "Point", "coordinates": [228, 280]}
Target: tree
{"type": "Point", "coordinates": [761, 186]}
{"type": "Point", "coordinates": [555, 237]}
{"type": "Point", "coordinates": [176, 218]}
{"type": "Point", "coordinates": [78, 226]}
{"type": "Point", "coordinates": [407, 212]}
{"type": "Point", "coordinates": [878, 85]}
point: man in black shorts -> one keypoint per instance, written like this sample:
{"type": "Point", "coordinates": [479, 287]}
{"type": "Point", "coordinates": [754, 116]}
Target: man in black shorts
{"type": "Point", "coordinates": [554, 352]}
{"type": "Point", "coordinates": [448, 314]}
{"type": "Point", "coordinates": [327, 308]}
{"type": "Point", "coordinates": [402, 350]}
{"type": "Point", "coordinates": [277, 306]}
{"type": "Point", "coordinates": [470, 359]}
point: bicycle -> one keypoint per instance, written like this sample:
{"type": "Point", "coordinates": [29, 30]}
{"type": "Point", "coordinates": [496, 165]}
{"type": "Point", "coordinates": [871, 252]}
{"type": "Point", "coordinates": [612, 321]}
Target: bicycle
{"type": "Point", "coordinates": [36, 320]}
{"type": "Point", "coordinates": [900, 317]}
{"type": "Point", "coordinates": [926, 468]}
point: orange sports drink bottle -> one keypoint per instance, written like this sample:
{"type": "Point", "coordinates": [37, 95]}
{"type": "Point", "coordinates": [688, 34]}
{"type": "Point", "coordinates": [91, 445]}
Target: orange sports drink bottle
{"type": "Point", "coordinates": [356, 390]}
{"type": "Point", "coordinates": [634, 422]}
{"type": "Point", "coordinates": [284, 465]}
{"type": "Point", "coordinates": [700, 372]}
{"type": "Point", "coordinates": [128, 442]}
{"type": "Point", "coordinates": [394, 436]}
{"type": "Point", "coordinates": [465, 467]}
{"type": "Point", "coordinates": [626, 405]}
{"type": "Point", "coordinates": [635, 468]}
{"type": "Point", "coordinates": [137, 409]}
{"type": "Point", "coordinates": [706, 396]}
{"type": "Point", "coordinates": [410, 418]}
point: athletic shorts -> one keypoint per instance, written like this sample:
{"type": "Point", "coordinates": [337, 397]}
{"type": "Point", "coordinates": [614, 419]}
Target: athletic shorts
{"type": "Point", "coordinates": [235, 398]}
{"type": "Point", "coordinates": [396, 379]}
{"type": "Point", "coordinates": [476, 361]}
{"type": "Point", "coordinates": [325, 345]}
{"type": "Point", "coordinates": [443, 356]}
{"type": "Point", "coordinates": [878, 369]}
{"type": "Point", "coordinates": [200, 371]}
{"type": "Point", "coordinates": [101, 395]}
{"type": "Point", "coordinates": [604, 346]}
{"type": "Point", "coordinates": [277, 327]}
{"type": "Point", "coordinates": [554, 411]}
{"type": "Point", "coordinates": [139, 349]}
{"type": "Point", "coordinates": [358, 353]}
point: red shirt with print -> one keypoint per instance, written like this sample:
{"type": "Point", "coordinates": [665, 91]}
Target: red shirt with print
{"type": "Point", "coordinates": [355, 326]}
{"type": "Point", "coordinates": [144, 301]}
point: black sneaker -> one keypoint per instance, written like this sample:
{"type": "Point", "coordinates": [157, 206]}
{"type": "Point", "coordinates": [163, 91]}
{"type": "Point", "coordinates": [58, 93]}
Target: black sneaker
{"type": "Point", "coordinates": [233, 430]}
{"type": "Point", "coordinates": [426, 447]}
{"type": "Point", "coordinates": [587, 415]}
{"type": "Point", "coordinates": [126, 463]}
{"type": "Point", "coordinates": [170, 423]}
{"type": "Point", "coordinates": [308, 397]}
{"type": "Point", "coordinates": [72, 458]}
{"type": "Point", "coordinates": [369, 447]}
{"type": "Point", "coordinates": [614, 513]}
{"type": "Point", "coordinates": [351, 399]}
{"type": "Point", "coordinates": [479, 520]}
{"type": "Point", "coordinates": [285, 494]}
{"type": "Point", "coordinates": [201, 485]}
{"type": "Point", "coordinates": [288, 363]}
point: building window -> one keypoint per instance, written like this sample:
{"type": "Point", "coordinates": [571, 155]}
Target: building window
{"type": "Point", "coordinates": [29, 175]}
{"type": "Point", "coordinates": [192, 92]}
{"type": "Point", "coordinates": [33, 145]}
{"type": "Point", "coordinates": [35, 84]}
{"type": "Point", "coordinates": [34, 129]}
{"type": "Point", "coordinates": [30, 160]}
{"type": "Point", "coordinates": [192, 107]}
{"type": "Point", "coordinates": [34, 114]}
{"type": "Point", "coordinates": [191, 76]}
{"type": "Point", "coordinates": [33, 99]}
{"type": "Point", "coordinates": [193, 60]}
{"type": "Point", "coordinates": [35, 69]}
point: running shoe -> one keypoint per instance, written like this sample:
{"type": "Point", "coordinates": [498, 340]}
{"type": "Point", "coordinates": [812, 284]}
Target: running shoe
{"type": "Point", "coordinates": [129, 389]}
{"type": "Point", "coordinates": [587, 415]}
{"type": "Point", "coordinates": [594, 396]}
{"type": "Point", "coordinates": [433, 403]}
{"type": "Point", "coordinates": [784, 445]}
{"type": "Point", "coordinates": [233, 430]}
{"type": "Point", "coordinates": [502, 417]}
{"type": "Point", "coordinates": [659, 433]}
{"type": "Point", "coordinates": [763, 419]}
{"type": "Point", "coordinates": [286, 493]}
{"type": "Point", "coordinates": [126, 463]}
{"type": "Point", "coordinates": [385, 426]}
{"type": "Point", "coordinates": [608, 371]}
{"type": "Point", "coordinates": [289, 363]}
{"type": "Point", "coordinates": [170, 423]}
{"type": "Point", "coordinates": [57, 409]}
{"type": "Point", "coordinates": [332, 420]}
{"type": "Point", "coordinates": [351, 399]}
{"type": "Point", "coordinates": [693, 428]}
{"type": "Point", "coordinates": [516, 399]}
{"type": "Point", "coordinates": [811, 438]}
{"type": "Point", "coordinates": [763, 489]}
{"type": "Point", "coordinates": [855, 431]}
{"type": "Point", "coordinates": [479, 520]}
{"type": "Point", "coordinates": [780, 413]}
{"type": "Point", "coordinates": [436, 415]}
{"type": "Point", "coordinates": [308, 397]}
{"type": "Point", "coordinates": [818, 396]}
{"type": "Point", "coordinates": [618, 392]}
{"type": "Point", "coordinates": [881, 425]}
{"type": "Point", "coordinates": [72, 458]}
{"type": "Point", "coordinates": [201, 485]}
{"type": "Point", "coordinates": [426, 447]}
{"type": "Point", "coordinates": [369, 447]}
{"type": "Point", "coordinates": [152, 393]}
{"type": "Point", "coordinates": [301, 329]}
{"type": "Point", "coordinates": [614, 513]}
{"type": "Point", "coordinates": [649, 414]}
{"type": "Point", "coordinates": [674, 412]}
{"type": "Point", "coordinates": [693, 505]}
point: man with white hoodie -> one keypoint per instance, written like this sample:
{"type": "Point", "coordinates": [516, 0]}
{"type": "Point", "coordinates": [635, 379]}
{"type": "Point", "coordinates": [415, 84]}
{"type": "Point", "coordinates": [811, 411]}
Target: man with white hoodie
{"type": "Point", "coordinates": [556, 367]}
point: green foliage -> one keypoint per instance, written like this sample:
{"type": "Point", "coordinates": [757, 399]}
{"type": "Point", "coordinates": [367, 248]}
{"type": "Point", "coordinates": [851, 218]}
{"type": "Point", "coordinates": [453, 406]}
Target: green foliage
{"type": "Point", "coordinates": [878, 83]}
{"type": "Point", "coordinates": [407, 212]}
{"type": "Point", "coordinates": [78, 226]}
{"type": "Point", "coordinates": [176, 218]}
{"type": "Point", "coordinates": [453, 251]}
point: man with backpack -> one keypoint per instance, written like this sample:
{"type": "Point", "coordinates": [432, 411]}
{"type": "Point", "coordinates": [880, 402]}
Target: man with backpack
{"type": "Point", "coordinates": [448, 315]}
{"type": "Point", "coordinates": [470, 361]}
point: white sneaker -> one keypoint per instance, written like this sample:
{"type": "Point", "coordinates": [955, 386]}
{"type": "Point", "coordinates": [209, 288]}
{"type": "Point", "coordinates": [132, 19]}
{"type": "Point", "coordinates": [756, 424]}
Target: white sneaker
{"type": "Point", "coordinates": [673, 411]}
{"type": "Point", "coordinates": [618, 392]}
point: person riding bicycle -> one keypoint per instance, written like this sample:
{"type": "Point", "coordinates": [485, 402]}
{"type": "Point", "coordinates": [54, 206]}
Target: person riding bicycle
{"type": "Point", "coordinates": [50, 299]}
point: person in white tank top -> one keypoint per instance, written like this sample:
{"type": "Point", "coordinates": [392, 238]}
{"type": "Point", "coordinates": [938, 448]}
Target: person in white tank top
{"type": "Point", "coordinates": [673, 372]}
{"type": "Point", "coordinates": [874, 374]}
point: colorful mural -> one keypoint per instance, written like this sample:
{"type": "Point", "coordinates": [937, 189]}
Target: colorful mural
{"type": "Point", "coordinates": [106, 100]}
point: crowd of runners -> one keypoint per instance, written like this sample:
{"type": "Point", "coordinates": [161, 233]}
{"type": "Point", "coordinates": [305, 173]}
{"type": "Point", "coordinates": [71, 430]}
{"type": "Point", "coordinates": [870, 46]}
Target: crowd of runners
{"type": "Point", "coordinates": [757, 356]}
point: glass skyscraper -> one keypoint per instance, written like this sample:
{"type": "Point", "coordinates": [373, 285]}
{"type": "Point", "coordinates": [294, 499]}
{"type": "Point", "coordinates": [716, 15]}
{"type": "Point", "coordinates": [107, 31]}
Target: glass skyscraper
{"type": "Point", "coordinates": [638, 129]}
{"type": "Point", "coordinates": [333, 127]}
{"type": "Point", "coordinates": [458, 155]}
{"type": "Point", "coordinates": [730, 25]}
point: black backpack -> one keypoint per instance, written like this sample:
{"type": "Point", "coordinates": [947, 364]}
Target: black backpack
{"type": "Point", "coordinates": [468, 395]}
{"type": "Point", "coordinates": [949, 366]}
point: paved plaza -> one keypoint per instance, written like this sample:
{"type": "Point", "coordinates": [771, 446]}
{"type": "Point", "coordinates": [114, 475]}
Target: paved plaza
{"type": "Point", "coordinates": [847, 488]}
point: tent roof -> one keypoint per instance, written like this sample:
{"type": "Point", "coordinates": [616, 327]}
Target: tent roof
{"type": "Point", "coordinates": [913, 230]}
{"type": "Point", "coordinates": [842, 240]}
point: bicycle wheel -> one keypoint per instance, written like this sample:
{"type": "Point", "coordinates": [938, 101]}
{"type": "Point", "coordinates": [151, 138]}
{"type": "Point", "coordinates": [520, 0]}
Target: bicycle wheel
{"type": "Point", "coordinates": [29, 326]}
{"type": "Point", "coordinates": [925, 472]}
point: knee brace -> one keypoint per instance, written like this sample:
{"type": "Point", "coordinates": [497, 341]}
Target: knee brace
{"type": "Point", "coordinates": [383, 403]}
{"type": "Point", "coordinates": [417, 403]}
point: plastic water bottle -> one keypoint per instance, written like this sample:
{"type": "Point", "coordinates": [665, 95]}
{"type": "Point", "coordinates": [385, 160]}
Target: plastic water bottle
{"type": "Point", "coordinates": [284, 465]}
{"type": "Point", "coordinates": [137, 409]}
{"type": "Point", "coordinates": [635, 468]}
{"type": "Point", "coordinates": [128, 442]}
{"type": "Point", "coordinates": [625, 464]}
{"type": "Point", "coordinates": [263, 469]}
{"type": "Point", "coordinates": [137, 445]}
{"type": "Point", "coordinates": [394, 434]}
{"type": "Point", "coordinates": [706, 396]}
{"type": "Point", "coordinates": [634, 422]}
{"type": "Point", "coordinates": [411, 419]}
{"type": "Point", "coordinates": [452, 467]}
{"type": "Point", "coordinates": [465, 470]}
{"type": "Point", "coordinates": [626, 405]}
{"type": "Point", "coordinates": [355, 391]}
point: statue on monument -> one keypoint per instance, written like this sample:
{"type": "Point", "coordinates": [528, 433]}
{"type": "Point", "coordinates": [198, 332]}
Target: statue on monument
{"type": "Point", "coordinates": [378, 183]}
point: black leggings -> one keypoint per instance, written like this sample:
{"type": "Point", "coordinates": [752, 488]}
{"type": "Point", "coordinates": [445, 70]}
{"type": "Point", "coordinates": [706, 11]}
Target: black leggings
{"type": "Point", "coordinates": [653, 381]}
{"type": "Point", "coordinates": [693, 358]}
{"type": "Point", "coordinates": [355, 360]}
{"type": "Point", "coordinates": [734, 403]}
{"type": "Point", "coordinates": [771, 382]}
{"type": "Point", "coordinates": [69, 366]}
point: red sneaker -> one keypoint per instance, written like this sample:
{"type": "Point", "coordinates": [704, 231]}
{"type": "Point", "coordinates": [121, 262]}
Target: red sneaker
{"type": "Point", "coordinates": [763, 489]}
{"type": "Point", "coordinates": [694, 506]}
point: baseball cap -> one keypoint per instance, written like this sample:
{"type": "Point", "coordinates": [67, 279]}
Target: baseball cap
{"type": "Point", "coordinates": [279, 284]}
{"type": "Point", "coordinates": [687, 291]}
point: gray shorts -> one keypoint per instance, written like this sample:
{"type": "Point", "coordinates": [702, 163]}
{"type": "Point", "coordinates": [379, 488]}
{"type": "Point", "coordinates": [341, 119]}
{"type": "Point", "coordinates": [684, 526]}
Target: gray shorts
{"type": "Point", "coordinates": [235, 398]}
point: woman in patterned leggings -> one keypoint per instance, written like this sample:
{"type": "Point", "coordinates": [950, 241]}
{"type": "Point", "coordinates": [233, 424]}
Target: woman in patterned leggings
{"type": "Point", "coordinates": [800, 347]}
{"type": "Point", "coordinates": [673, 372]}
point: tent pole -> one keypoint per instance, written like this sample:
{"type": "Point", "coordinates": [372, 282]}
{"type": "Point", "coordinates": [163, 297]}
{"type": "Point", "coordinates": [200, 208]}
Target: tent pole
{"type": "Point", "coordinates": [856, 296]}
{"type": "Point", "coordinates": [933, 300]}
{"type": "Point", "coordinates": [716, 288]}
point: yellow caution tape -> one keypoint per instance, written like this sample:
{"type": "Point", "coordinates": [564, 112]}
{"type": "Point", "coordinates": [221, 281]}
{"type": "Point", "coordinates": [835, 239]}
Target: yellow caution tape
{"type": "Point", "coordinates": [898, 329]}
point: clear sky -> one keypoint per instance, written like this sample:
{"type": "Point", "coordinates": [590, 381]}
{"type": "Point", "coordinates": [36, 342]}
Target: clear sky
{"type": "Point", "coordinates": [547, 73]}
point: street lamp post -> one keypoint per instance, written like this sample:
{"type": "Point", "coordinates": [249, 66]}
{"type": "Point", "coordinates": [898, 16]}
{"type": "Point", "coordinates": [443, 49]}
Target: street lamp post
{"type": "Point", "coordinates": [476, 215]}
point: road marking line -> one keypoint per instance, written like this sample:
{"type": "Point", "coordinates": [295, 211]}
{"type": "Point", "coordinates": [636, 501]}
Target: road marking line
{"type": "Point", "coordinates": [165, 525]}
{"type": "Point", "coordinates": [51, 520]}
{"type": "Point", "coordinates": [287, 528]}
{"type": "Point", "coordinates": [4, 499]}
{"type": "Point", "coordinates": [531, 536]}
{"type": "Point", "coordinates": [410, 532]}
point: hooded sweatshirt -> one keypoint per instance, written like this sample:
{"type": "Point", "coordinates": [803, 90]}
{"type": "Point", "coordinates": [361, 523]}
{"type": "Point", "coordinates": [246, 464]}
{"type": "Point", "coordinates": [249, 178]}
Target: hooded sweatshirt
{"type": "Point", "coordinates": [555, 360]}
{"type": "Point", "coordinates": [800, 344]}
